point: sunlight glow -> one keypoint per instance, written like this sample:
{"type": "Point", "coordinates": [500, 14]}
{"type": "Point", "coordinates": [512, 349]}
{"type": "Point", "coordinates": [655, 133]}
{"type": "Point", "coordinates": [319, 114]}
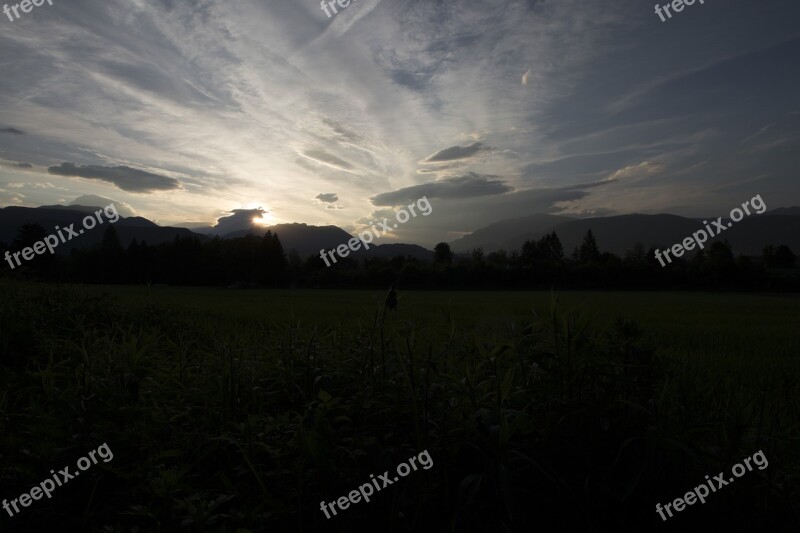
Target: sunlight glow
{"type": "Point", "coordinates": [265, 220]}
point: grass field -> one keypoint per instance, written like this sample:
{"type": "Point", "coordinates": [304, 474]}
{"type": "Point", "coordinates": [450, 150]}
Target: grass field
{"type": "Point", "coordinates": [691, 323]}
{"type": "Point", "coordinates": [240, 410]}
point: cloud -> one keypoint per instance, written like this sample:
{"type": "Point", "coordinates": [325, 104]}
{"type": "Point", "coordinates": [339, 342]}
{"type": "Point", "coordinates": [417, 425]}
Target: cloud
{"type": "Point", "coordinates": [9, 197]}
{"type": "Point", "coordinates": [325, 158]}
{"type": "Point", "coordinates": [126, 178]}
{"type": "Point", "coordinates": [227, 100]}
{"type": "Point", "coordinates": [641, 170]}
{"type": "Point", "coordinates": [526, 77]}
{"type": "Point", "coordinates": [469, 186]}
{"type": "Point", "coordinates": [374, 216]}
{"type": "Point", "coordinates": [756, 134]}
{"type": "Point", "coordinates": [239, 219]}
{"type": "Point", "coordinates": [342, 131]}
{"type": "Point", "coordinates": [567, 210]}
{"type": "Point", "coordinates": [47, 186]}
{"type": "Point", "coordinates": [457, 152]}
{"type": "Point", "coordinates": [93, 200]}
{"type": "Point", "coordinates": [14, 164]}
{"type": "Point", "coordinates": [328, 198]}
{"type": "Point", "coordinates": [440, 167]}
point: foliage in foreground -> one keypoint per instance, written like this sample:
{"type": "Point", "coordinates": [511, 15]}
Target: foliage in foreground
{"type": "Point", "coordinates": [549, 425]}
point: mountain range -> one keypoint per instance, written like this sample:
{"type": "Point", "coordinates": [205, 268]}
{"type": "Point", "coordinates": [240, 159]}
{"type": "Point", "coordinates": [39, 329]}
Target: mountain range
{"type": "Point", "coordinates": [48, 217]}
{"type": "Point", "coordinates": [618, 234]}
{"type": "Point", "coordinates": [615, 234]}
{"type": "Point", "coordinates": [303, 239]}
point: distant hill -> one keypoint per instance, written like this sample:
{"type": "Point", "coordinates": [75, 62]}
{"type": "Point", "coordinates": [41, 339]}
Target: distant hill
{"type": "Point", "coordinates": [309, 240]}
{"type": "Point", "coordinates": [11, 218]}
{"type": "Point", "coordinates": [81, 208]}
{"type": "Point", "coordinates": [302, 238]}
{"type": "Point", "coordinates": [508, 234]}
{"type": "Point", "coordinates": [140, 222]}
{"type": "Point", "coordinates": [616, 234]}
{"type": "Point", "coordinates": [787, 211]}
{"type": "Point", "coordinates": [619, 234]}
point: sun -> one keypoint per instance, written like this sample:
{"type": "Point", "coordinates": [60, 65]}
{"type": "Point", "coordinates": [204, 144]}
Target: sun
{"type": "Point", "coordinates": [264, 220]}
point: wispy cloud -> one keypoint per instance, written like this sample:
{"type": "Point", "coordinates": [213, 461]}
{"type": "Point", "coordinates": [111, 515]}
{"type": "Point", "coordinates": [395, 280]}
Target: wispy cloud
{"type": "Point", "coordinates": [210, 106]}
{"type": "Point", "coordinates": [457, 152]}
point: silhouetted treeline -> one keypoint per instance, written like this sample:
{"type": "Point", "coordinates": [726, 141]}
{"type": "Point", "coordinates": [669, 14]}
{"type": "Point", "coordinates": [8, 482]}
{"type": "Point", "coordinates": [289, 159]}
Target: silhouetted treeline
{"type": "Point", "coordinates": [542, 264]}
{"type": "Point", "coordinates": [184, 261]}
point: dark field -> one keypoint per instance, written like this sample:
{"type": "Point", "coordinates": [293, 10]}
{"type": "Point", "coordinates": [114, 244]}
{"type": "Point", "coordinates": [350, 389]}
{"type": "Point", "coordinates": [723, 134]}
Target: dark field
{"type": "Point", "coordinates": [241, 410]}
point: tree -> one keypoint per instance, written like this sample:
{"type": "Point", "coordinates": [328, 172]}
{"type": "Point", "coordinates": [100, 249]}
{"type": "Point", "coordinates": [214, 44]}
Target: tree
{"type": "Point", "coordinates": [442, 254]}
{"type": "Point", "coordinates": [550, 248]}
{"type": "Point", "coordinates": [784, 257]}
{"type": "Point", "coordinates": [110, 258]}
{"type": "Point", "coordinates": [110, 242]}
{"type": "Point", "coordinates": [768, 255]}
{"type": "Point", "coordinates": [28, 235]}
{"type": "Point", "coordinates": [3, 249]}
{"type": "Point", "coordinates": [275, 259]}
{"type": "Point", "coordinates": [637, 255]}
{"type": "Point", "coordinates": [589, 252]}
{"type": "Point", "coordinates": [720, 263]}
{"type": "Point", "coordinates": [498, 259]}
{"type": "Point", "coordinates": [780, 257]}
{"type": "Point", "coordinates": [529, 254]}
{"type": "Point", "coordinates": [720, 255]}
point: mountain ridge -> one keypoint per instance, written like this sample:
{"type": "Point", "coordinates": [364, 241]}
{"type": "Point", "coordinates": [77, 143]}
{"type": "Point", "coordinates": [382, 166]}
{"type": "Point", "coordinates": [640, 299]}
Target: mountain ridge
{"type": "Point", "coordinates": [616, 234]}
{"type": "Point", "coordinates": [619, 233]}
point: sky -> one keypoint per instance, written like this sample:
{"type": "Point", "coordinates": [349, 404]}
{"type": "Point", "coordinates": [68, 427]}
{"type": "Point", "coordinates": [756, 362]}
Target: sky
{"type": "Point", "coordinates": [188, 111]}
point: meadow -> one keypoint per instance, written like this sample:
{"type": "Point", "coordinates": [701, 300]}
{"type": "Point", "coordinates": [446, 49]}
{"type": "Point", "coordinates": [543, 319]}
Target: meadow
{"type": "Point", "coordinates": [241, 410]}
